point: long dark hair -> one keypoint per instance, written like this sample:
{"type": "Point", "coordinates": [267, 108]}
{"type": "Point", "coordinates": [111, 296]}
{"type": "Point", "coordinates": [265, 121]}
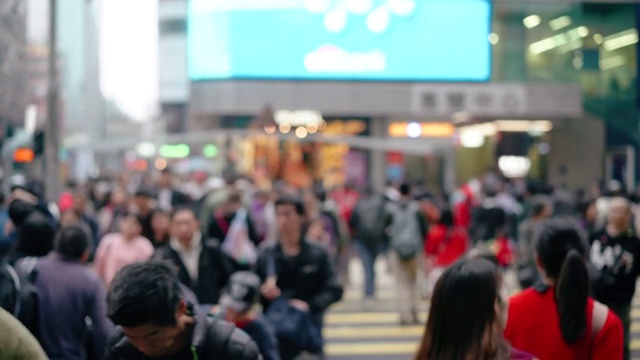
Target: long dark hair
{"type": "Point", "coordinates": [446, 218]}
{"type": "Point", "coordinates": [462, 311]}
{"type": "Point", "coordinates": [562, 251]}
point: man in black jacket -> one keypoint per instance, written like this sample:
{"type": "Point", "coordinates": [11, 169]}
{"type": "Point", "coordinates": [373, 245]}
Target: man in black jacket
{"type": "Point", "coordinates": [155, 322]}
{"type": "Point", "coordinates": [303, 271]}
{"type": "Point", "coordinates": [202, 266]}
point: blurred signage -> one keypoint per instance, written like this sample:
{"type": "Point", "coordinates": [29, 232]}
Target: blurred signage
{"type": "Point", "coordinates": [356, 167]}
{"type": "Point", "coordinates": [478, 100]}
{"type": "Point", "coordinates": [514, 166]}
{"type": "Point", "coordinates": [298, 117]}
{"type": "Point", "coordinates": [395, 158]}
{"type": "Point", "coordinates": [400, 40]}
{"type": "Point", "coordinates": [23, 155]}
{"type": "Point", "coordinates": [177, 151]}
{"type": "Point", "coordinates": [418, 130]}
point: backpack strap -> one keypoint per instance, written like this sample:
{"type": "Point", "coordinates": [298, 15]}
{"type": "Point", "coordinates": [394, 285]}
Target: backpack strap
{"type": "Point", "coordinates": [16, 285]}
{"type": "Point", "coordinates": [27, 267]}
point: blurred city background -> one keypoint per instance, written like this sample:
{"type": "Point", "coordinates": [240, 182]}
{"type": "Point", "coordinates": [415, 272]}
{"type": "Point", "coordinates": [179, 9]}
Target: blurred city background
{"type": "Point", "coordinates": [332, 94]}
{"type": "Point", "coordinates": [543, 88]}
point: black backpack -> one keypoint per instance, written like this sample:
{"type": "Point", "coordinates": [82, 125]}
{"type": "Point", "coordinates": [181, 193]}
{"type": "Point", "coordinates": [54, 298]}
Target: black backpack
{"type": "Point", "coordinates": [18, 292]}
{"type": "Point", "coordinates": [9, 289]}
{"type": "Point", "coordinates": [229, 342]}
{"type": "Point", "coordinates": [371, 222]}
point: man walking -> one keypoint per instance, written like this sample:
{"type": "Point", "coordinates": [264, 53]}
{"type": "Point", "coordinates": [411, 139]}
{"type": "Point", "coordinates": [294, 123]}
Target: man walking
{"type": "Point", "coordinates": [615, 252]}
{"type": "Point", "coordinates": [68, 294]}
{"type": "Point", "coordinates": [156, 322]}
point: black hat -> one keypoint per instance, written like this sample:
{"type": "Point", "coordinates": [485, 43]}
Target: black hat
{"type": "Point", "coordinates": [242, 292]}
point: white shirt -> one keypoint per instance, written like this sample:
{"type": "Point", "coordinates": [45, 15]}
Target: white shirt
{"type": "Point", "coordinates": [190, 255]}
{"type": "Point", "coordinates": [164, 199]}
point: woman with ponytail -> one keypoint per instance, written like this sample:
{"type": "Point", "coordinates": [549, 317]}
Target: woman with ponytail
{"type": "Point", "coordinates": [556, 319]}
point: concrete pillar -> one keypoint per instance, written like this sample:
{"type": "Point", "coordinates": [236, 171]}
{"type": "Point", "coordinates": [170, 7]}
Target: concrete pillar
{"type": "Point", "coordinates": [449, 168]}
{"type": "Point", "coordinates": [377, 168]}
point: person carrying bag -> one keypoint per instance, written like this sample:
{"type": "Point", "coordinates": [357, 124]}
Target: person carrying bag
{"type": "Point", "coordinates": [292, 326]}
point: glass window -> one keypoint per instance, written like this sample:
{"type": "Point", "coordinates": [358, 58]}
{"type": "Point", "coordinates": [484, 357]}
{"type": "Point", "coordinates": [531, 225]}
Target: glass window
{"type": "Point", "coordinates": [593, 45]}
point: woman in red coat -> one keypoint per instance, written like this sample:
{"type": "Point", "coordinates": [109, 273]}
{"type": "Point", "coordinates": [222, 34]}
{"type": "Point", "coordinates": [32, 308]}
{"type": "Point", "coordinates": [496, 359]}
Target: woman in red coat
{"type": "Point", "coordinates": [557, 319]}
{"type": "Point", "coordinates": [445, 244]}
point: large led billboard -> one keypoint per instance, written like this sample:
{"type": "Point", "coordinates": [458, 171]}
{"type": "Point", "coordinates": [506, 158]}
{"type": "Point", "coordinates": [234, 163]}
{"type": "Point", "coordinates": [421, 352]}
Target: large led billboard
{"type": "Point", "coordinates": [386, 40]}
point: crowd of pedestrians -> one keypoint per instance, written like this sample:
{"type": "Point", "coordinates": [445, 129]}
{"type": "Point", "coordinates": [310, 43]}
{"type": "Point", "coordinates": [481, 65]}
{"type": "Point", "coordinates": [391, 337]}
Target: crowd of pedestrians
{"type": "Point", "coordinates": [135, 274]}
{"type": "Point", "coordinates": [217, 269]}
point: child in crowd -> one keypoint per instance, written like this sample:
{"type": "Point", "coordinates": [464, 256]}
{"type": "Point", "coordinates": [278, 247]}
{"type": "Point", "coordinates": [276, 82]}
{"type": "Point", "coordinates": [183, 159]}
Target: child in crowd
{"type": "Point", "coordinates": [238, 306]}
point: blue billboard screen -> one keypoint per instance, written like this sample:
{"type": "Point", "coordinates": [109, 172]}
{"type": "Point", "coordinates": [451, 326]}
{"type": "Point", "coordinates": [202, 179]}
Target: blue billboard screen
{"type": "Point", "coordinates": [385, 40]}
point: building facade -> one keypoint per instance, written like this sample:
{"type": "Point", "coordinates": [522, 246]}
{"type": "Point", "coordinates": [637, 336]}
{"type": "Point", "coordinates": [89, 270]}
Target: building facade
{"type": "Point", "coordinates": [13, 62]}
{"type": "Point", "coordinates": [84, 117]}
{"type": "Point", "coordinates": [174, 84]}
{"type": "Point", "coordinates": [552, 84]}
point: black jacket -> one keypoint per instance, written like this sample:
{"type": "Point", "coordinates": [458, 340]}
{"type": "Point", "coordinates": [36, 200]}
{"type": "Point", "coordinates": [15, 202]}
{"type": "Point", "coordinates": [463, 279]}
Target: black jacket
{"type": "Point", "coordinates": [214, 270]}
{"type": "Point", "coordinates": [179, 199]}
{"type": "Point", "coordinates": [309, 277]}
{"type": "Point", "coordinates": [213, 339]}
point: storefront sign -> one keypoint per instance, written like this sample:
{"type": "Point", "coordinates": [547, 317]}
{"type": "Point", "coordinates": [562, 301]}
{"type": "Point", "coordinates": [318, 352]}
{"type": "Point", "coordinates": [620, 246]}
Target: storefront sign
{"type": "Point", "coordinates": [477, 100]}
{"type": "Point", "coordinates": [421, 130]}
{"type": "Point", "coordinates": [298, 117]}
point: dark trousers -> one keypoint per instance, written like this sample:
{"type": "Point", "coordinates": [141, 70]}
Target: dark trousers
{"type": "Point", "coordinates": [368, 256]}
{"type": "Point", "coordinates": [623, 310]}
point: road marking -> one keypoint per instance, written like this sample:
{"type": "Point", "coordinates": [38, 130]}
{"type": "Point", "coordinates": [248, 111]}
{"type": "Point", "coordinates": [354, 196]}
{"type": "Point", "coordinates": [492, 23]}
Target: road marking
{"type": "Point", "coordinates": [353, 294]}
{"type": "Point", "coordinates": [395, 348]}
{"type": "Point", "coordinates": [365, 318]}
{"type": "Point", "coordinates": [377, 332]}
{"type": "Point", "coordinates": [384, 306]}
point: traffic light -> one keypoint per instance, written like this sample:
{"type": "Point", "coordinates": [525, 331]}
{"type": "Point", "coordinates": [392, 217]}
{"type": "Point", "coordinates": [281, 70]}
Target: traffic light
{"type": "Point", "coordinates": [38, 143]}
{"type": "Point", "coordinates": [23, 155]}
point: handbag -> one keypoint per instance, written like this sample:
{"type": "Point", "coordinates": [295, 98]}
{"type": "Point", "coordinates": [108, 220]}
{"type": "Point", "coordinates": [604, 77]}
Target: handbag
{"type": "Point", "coordinates": [292, 326]}
{"type": "Point", "coordinates": [237, 243]}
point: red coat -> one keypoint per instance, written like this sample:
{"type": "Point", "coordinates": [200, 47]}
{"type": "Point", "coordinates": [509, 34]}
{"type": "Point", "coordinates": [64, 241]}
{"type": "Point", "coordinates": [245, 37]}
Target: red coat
{"type": "Point", "coordinates": [504, 251]}
{"type": "Point", "coordinates": [447, 246]}
{"type": "Point", "coordinates": [462, 214]}
{"type": "Point", "coordinates": [533, 326]}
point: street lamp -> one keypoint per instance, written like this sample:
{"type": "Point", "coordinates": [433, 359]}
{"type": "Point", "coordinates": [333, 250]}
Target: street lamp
{"type": "Point", "coordinates": [52, 135]}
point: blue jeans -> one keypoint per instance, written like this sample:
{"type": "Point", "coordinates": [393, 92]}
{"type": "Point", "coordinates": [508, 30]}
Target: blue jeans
{"type": "Point", "coordinates": [368, 257]}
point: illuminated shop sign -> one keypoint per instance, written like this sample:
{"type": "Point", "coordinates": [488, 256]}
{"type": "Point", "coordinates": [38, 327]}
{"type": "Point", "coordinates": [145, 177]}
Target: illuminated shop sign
{"type": "Point", "coordinates": [514, 166]}
{"type": "Point", "coordinates": [399, 40]}
{"type": "Point", "coordinates": [298, 117]}
{"type": "Point", "coordinates": [418, 130]}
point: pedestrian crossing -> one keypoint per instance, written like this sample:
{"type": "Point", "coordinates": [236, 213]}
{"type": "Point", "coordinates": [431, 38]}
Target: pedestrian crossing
{"type": "Point", "coordinates": [355, 329]}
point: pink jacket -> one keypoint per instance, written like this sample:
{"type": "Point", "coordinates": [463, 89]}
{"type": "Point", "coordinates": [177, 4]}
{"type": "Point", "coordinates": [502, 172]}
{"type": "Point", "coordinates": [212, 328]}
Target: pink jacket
{"type": "Point", "coordinates": [114, 253]}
